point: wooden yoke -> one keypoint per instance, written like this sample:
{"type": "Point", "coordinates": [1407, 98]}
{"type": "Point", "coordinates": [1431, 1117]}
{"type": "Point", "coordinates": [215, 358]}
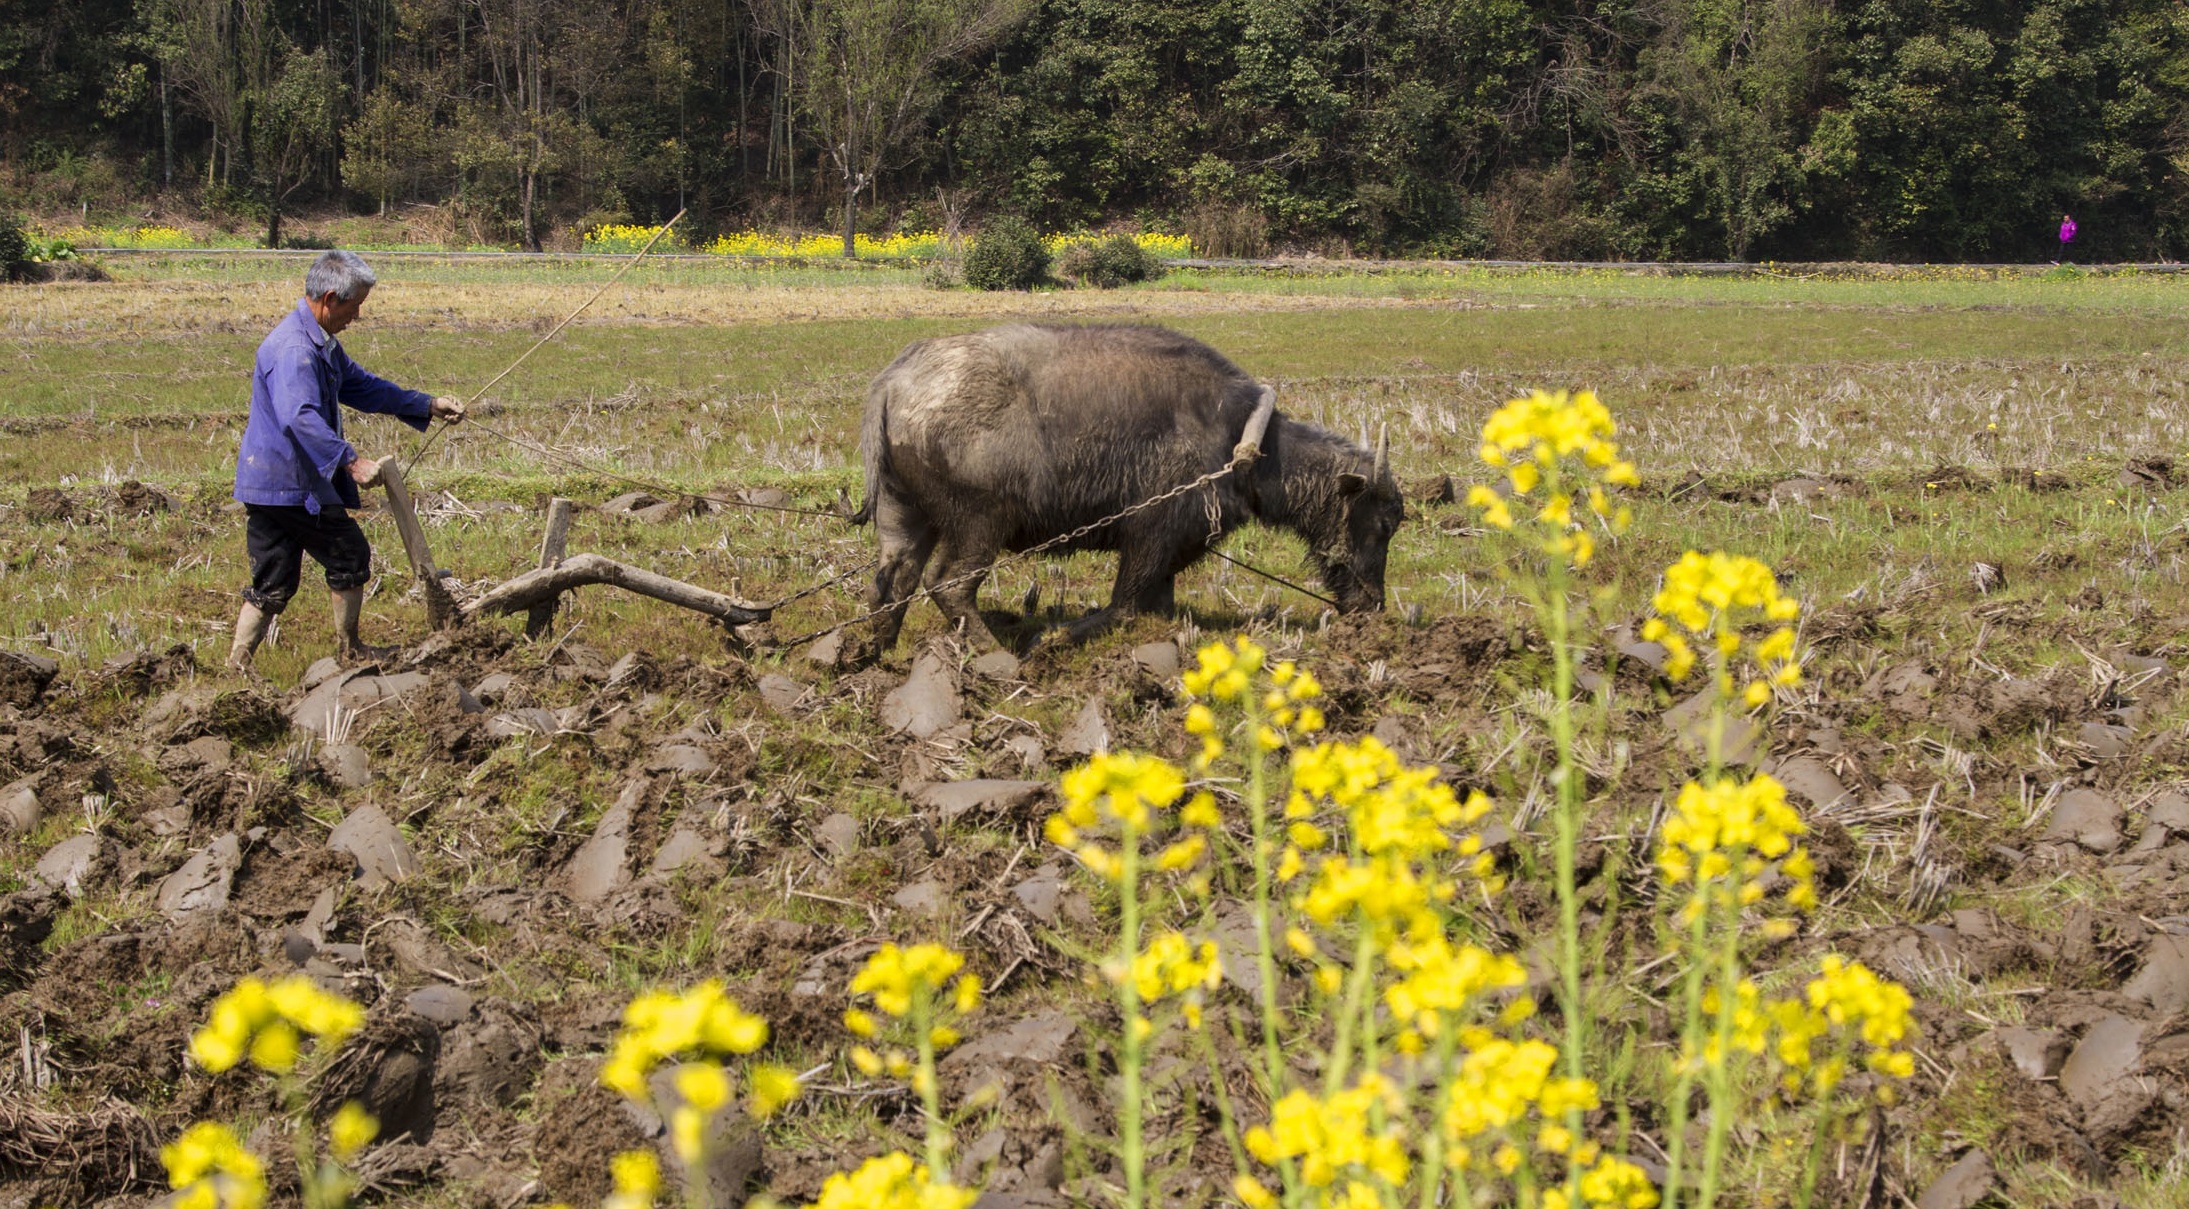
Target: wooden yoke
{"type": "Point", "coordinates": [440, 606]}
{"type": "Point", "coordinates": [1250, 440]}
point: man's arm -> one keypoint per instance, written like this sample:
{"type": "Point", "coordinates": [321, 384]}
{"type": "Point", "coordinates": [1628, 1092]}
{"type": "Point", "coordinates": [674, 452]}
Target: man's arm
{"type": "Point", "coordinates": [292, 387]}
{"type": "Point", "coordinates": [367, 391]}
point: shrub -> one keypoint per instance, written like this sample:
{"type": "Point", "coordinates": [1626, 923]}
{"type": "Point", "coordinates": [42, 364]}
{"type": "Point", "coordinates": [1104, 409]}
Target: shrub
{"type": "Point", "coordinates": [1108, 263]}
{"type": "Point", "coordinates": [1007, 256]}
{"type": "Point", "coordinates": [14, 249]}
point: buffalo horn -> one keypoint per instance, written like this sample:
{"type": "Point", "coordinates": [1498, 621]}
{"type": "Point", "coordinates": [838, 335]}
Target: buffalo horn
{"type": "Point", "coordinates": [1383, 454]}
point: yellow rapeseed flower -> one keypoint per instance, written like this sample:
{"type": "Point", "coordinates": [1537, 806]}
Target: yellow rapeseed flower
{"type": "Point", "coordinates": [210, 1169]}
{"type": "Point", "coordinates": [1610, 1184]}
{"type": "Point", "coordinates": [1726, 833]}
{"type": "Point", "coordinates": [1714, 599]}
{"type": "Point", "coordinates": [894, 976]}
{"type": "Point", "coordinates": [892, 1181]}
{"type": "Point", "coordinates": [1563, 444]}
{"type": "Point", "coordinates": [660, 1025]}
{"type": "Point", "coordinates": [637, 1177]}
{"type": "Point", "coordinates": [265, 1022]}
{"type": "Point", "coordinates": [351, 1130]}
{"type": "Point", "coordinates": [1501, 1082]}
{"type": "Point", "coordinates": [773, 1087]}
{"type": "Point", "coordinates": [1877, 1010]}
{"type": "Point", "coordinates": [1173, 966]}
{"type": "Point", "coordinates": [1437, 978]}
{"type": "Point", "coordinates": [1335, 1137]}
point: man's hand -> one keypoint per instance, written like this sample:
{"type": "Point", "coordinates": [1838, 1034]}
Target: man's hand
{"type": "Point", "coordinates": [448, 407]}
{"type": "Point", "coordinates": [365, 471]}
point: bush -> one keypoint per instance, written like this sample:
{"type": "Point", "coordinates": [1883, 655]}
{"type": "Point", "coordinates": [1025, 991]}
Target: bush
{"type": "Point", "coordinates": [1108, 263]}
{"type": "Point", "coordinates": [48, 248]}
{"type": "Point", "coordinates": [14, 249]}
{"type": "Point", "coordinates": [1007, 256]}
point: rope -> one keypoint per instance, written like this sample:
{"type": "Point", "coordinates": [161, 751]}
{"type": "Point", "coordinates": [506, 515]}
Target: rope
{"type": "Point", "coordinates": [1275, 579]}
{"type": "Point", "coordinates": [431, 437]}
{"type": "Point", "coordinates": [667, 489]}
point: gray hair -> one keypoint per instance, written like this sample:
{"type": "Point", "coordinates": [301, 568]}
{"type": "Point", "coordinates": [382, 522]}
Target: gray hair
{"type": "Point", "coordinates": [345, 274]}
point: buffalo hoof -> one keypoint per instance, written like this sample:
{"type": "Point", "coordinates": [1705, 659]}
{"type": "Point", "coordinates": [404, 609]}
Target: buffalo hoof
{"type": "Point", "coordinates": [860, 653]}
{"type": "Point", "coordinates": [1093, 625]}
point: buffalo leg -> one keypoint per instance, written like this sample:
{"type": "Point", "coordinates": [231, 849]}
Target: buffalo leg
{"type": "Point", "coordinates": [1144, 584]}
{"type": "Point", "coordinates": [954, 578]}
{"type": "Point", "coordinates": [907, 539]}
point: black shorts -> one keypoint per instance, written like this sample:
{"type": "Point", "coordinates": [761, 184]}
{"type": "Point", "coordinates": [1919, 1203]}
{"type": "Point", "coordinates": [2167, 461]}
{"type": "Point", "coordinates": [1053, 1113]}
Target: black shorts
{"type": "Point", "coordinates": [279, 537]}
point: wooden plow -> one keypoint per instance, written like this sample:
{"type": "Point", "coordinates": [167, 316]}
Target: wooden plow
{"type": "Point", "coordinates": [537, 592]}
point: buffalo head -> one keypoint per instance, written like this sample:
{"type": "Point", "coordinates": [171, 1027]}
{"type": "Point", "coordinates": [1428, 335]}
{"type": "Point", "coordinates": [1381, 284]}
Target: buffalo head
{"type": "Point", "coordinates": [1369, 509]}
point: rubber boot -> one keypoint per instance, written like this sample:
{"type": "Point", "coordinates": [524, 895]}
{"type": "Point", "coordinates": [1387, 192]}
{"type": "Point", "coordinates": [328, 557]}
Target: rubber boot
{"type": "Point", "coordinates": [251, 626]}
{"type": "Point", "coordinates": [349, 608]}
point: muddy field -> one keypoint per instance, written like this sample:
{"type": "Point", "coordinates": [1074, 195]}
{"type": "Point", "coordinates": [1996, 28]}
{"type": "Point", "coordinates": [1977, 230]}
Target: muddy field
{"type": "Point", "coordinates": [494, 841]}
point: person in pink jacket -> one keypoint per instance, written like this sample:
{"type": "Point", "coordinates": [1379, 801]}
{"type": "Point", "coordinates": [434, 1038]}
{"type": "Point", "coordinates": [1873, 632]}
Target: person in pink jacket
{"type": "Point", "coordinates": [2067, 234]}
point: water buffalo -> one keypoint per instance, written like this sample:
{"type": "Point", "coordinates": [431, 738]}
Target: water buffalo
{"type": "Point", "coordinates": [1001, 440]}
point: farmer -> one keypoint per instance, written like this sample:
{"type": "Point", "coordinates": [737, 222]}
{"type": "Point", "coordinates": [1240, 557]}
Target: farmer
{"type": "Point", "coordinates": [2067, 234]}
{"type": "Point", "coordinates": [295, 476]}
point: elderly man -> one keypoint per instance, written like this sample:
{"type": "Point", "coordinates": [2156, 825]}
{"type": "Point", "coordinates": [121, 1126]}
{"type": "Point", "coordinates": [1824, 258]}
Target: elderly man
{"type": "Point", "coordinates": [295, 476]}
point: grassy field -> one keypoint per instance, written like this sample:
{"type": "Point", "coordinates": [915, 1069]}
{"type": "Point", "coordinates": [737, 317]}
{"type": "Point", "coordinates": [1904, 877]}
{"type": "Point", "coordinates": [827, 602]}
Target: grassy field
{"type": "Point", "coordinates": [1976, 479]}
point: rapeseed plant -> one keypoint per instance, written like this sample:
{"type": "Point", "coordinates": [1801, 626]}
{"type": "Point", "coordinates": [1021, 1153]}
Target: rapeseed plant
{"type": "Point", "coordinates": [1561, 460]}
{"type": "Point", "coordinates": [904, 245]}
{"type": "Point", "coordinates": [1169, 247]}
{"type": "Point", "coordinates": [209, 1169]}
{"type": "Point", "coordinates": [265, 1025]}
{"type": "Point", "coordinates": [691, 1032]}
{"type": "Point", "coordinates": [624, 238]}
{"type": "Point", "coordinates": [1121, 799]}
{"type": "Point", "coordinates": [922, 994]}
{"type": "Point", "coordinates": [892, 1181]}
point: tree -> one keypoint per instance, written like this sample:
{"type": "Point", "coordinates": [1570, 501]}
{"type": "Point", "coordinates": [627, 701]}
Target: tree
{"type": "Point", "coordinates": [290, 120]}
{"type": "Point", "coordinates": [869, 73]}
{"type": "Point", "coordinates": [1738, 74]}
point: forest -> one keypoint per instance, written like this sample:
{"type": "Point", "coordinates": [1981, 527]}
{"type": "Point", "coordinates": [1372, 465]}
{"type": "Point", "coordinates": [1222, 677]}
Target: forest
{"type": "Point", "coordinates": [1908, 130]}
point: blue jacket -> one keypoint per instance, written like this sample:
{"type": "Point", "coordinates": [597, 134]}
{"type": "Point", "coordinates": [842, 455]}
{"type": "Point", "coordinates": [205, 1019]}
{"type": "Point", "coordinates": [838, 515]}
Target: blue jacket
{"type": "Point", "coordinates": [293, 452]}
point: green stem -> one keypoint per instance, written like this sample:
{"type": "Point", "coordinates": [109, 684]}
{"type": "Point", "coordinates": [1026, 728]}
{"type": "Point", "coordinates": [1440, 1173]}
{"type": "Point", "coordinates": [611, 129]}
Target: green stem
{"type": "Point", "coordinates": [1690, 1045]}
{"type": "Point", "coordinates": [1356, 994]}
{"type": "Point", "coordinates": [1432, 1147]}
{"type": "Point", "coordinates": [1567, 778]}
{"type": "Point", "coordinates": [1128, 997]}
{"type": "Point", "coordinates": [1816, 1154]}
{"type": "Point", "coordinates": [938, 1135]}
{"type": "Point", "coordinates": [1721, 1075]}
{"type": "Point", "coordinates": [1226, 1119]}
{"type": "Point", "coordinates": [1265, 953]}
{"type": "Point", "coordinates": [290, 1090]}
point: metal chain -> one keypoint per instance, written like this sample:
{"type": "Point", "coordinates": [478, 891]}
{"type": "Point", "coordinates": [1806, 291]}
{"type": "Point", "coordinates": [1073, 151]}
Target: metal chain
{"type": "Point", "coordinates": [1238, 459]}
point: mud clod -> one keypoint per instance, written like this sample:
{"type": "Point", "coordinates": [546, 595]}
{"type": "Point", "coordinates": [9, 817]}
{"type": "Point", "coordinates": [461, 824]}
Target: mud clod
{"type": "Point", "coordinates": [1964, 1185]}
{"type": "Point", "coordinates": [1089, 732]}
{"type": "Point", "coordinates": [927, 702]}
{"type": "Point", "coordinates": [24, 677]}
